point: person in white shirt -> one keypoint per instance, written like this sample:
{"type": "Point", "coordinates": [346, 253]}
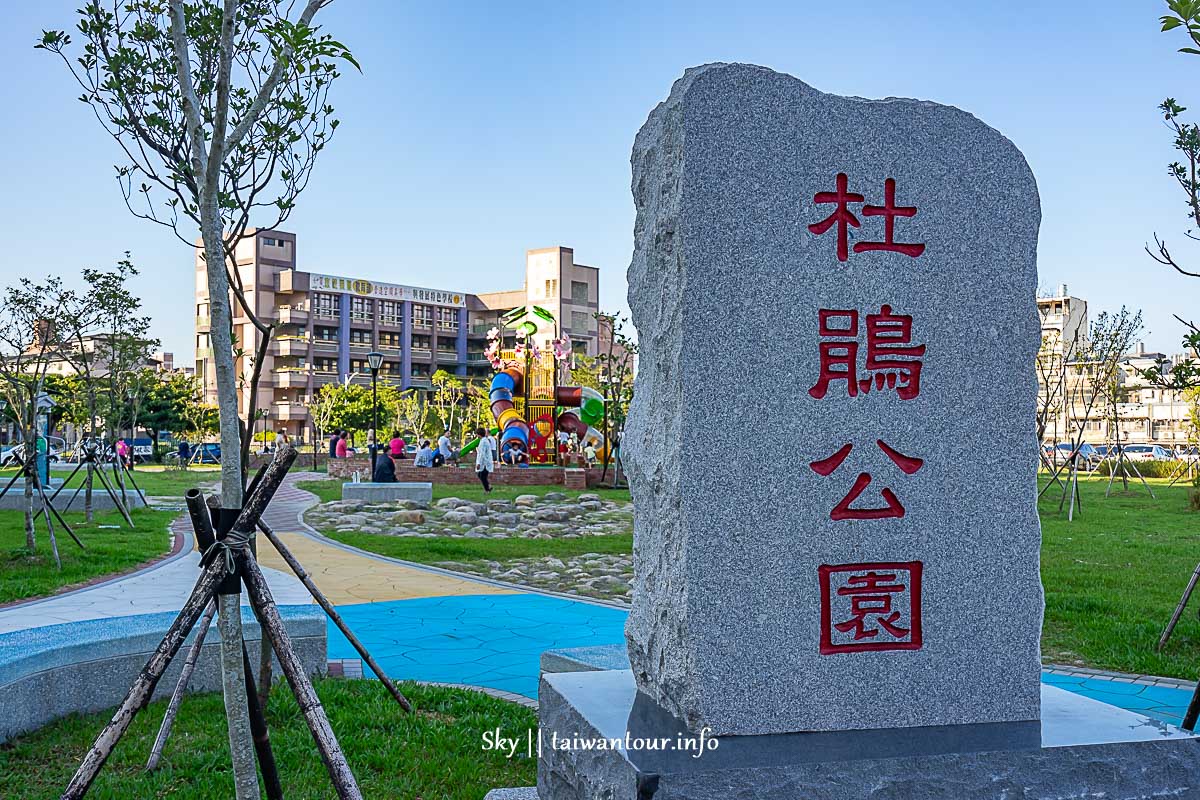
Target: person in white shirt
{"type": "Point", "coordinates": [485, 458]}
{"type": "Point", "coordinates": [444, 453]}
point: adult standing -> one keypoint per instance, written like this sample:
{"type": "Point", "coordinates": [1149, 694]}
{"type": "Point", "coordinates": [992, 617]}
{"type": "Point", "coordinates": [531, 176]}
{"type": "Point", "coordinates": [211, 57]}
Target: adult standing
{"type": "Point", "coordinates": [184, 453]}
{"type": "Point", "coordinates": [333, 440]}
{"type": "Point", "coordinates": [396, 446]}
{"type": "Point", "coordinates": [485, 458]}
{"type": "Point", "coordinates": [341, 448]}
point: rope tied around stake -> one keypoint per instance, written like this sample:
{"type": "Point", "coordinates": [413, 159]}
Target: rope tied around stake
{"type": "Point", "coordinates": [225, 549]}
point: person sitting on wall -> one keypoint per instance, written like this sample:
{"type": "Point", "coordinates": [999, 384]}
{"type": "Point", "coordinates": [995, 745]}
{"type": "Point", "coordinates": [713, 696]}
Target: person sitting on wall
{"type": "Point", "coordinates": [385, 470]}
{"type": "Point", "coordinates": [445, 453]}
{"type": "Point", "coordinates": [424, 456]}
{"type": "Point", "coordinates": [396, 445]}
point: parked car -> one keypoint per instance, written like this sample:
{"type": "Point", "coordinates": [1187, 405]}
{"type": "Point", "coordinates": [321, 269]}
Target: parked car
{"type": "Point", "coordinates": [202, 453]}
{"type": "Point", "coordinates": [1086, 458]}
{"type": "Point", "coordinates": [1147, 452]}
{"type": "Point", "coordinates": [9, 456]}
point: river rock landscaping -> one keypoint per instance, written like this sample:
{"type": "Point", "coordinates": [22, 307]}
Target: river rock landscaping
{"type": "Point", "coordinates": [551, 517]}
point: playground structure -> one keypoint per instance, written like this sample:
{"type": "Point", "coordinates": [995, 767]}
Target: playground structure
{"type": "Point", "coordinates": [547, 409]}
{"type": "Point", "coordinates": [527, 402]}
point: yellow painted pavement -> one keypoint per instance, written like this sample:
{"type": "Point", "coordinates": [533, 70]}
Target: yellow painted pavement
{"type": "Point", "coordinates": [346, 577]}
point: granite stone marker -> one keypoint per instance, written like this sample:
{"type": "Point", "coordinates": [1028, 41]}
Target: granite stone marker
{"type": "Point", "coordinates": [832, 458]}
{"type": "Point", "coordinates": [832, 448]}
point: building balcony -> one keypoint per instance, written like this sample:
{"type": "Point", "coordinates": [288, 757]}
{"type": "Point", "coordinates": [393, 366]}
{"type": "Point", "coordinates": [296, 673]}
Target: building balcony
{"type": "Point", "coordinates": [422, 353]}
{"type": "Point", "coordinates": [293, 315]}
{"type": "Point", "coordinates": [447, 356]}
{"type": "Point", "coordinates": [289, 412]}
{"type": "Point", "coordinates": [291, 377]}
{"type": "Point", "coordinates": [361, 345]}
{"type": "Point", "coordinates": [291, 346]}
{"type": "Point", "coordinates": [203, 323]}
{"type": "Point", "coordinates": [477, 358]}
{"type": "Point", "coordinates": [390, 321]}
{"type": "Point", "coordinates": [325, 345]}
{"type": "Point", "coordinates": [322, 377]}
{"type": "Point", "coordinates": [422, 324]}
{"type": "Point", "coordinates": [203, 353]}
{"type": "Point", "coordinates": [420, 382]}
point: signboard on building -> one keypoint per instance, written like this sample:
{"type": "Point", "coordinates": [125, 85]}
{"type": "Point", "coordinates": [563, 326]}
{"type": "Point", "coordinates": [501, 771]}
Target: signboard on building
{"type": "Point", "coordinates": [385, 291]}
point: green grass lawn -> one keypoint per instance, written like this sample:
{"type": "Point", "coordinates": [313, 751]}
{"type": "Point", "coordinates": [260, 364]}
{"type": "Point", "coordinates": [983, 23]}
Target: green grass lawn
{"type": "Point", "coordinates": [153, 480]}
{"type": "Point", "coordinates": [1114, 575]}
{"type": "Point", "coordinates": [109, 550]}
{"type": "Point", "coordinates": [435, 754]}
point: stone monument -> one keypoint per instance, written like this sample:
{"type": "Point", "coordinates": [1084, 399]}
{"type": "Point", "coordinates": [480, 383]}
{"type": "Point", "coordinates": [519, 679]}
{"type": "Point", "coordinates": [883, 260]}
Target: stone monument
{"type": "Point", "coordinates": [832, 455]}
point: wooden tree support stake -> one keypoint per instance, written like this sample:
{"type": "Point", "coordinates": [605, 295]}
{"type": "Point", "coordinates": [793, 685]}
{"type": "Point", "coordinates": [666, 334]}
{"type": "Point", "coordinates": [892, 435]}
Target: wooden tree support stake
{"type": "Point", "coordinates": [185, 675]}
{"type": "Point", "coordinates": [293, 670]}
{"type": "Point", "coordinates": [323, 601]}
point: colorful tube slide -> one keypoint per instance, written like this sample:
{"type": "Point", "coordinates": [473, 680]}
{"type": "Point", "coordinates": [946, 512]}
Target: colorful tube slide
{"type": "Point", "coordinates": [585, 408]}
{"type": "Point", "coordinates": [512, 426]}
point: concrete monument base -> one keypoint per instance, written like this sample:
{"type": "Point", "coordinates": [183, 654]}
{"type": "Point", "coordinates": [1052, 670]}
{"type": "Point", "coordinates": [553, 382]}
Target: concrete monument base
{"type": "Point", "coordinates": [386, 492]}
{"type": "Point", "coordinates": [1087, 750]}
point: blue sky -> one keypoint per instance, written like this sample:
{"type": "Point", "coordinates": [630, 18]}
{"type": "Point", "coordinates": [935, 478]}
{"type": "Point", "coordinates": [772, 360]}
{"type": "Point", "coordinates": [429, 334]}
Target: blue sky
{"type": "Point", "coordinates": [478, 130]}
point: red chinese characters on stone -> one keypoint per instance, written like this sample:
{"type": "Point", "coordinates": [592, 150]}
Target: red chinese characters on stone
{"type": "Point", "coordinates": [892, 361]}
{"type": "Point", "coordinates": [892, 508]}
{"type": "Point", "coordinates": [873, 606]}
{"type": "Point", "coordinates": [844, 219]}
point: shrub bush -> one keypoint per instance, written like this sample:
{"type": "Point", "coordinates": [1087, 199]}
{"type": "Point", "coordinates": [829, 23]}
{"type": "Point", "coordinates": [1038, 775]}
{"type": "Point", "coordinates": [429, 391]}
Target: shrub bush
{"type": "Point", "coordinates": [1148, 469]}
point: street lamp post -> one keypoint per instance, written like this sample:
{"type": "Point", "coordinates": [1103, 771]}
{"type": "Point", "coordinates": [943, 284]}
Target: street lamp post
{"type": "Point", "coordinates": [374, 361]}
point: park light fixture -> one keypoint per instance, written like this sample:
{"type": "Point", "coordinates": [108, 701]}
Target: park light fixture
{"type": "Point", "coordinates": [374, 361]}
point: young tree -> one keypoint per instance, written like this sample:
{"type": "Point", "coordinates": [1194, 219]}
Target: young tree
{"type": "Point", "coordinates": [1093, 373]}
{"type": "Point", "coordinates": [166, 402]}
{"type": "Point", "coordinates": [222, 107]}
{"type": "Point", "coordinates": [412, 412]}
{"type": "Point", "coordinates": [35, 319]}
{"type": "Point", "coordinates": [615, 366]}
{"type": "Point", "coordinates": [449, 391]}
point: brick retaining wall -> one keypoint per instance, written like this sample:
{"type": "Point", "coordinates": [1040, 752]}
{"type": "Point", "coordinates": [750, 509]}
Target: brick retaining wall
{"type": "Point", "coordinates": [505, 476]}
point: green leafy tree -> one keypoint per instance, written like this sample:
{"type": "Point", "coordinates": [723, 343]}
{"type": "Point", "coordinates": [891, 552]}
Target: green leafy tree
{"type": "Point", "coordinates": [167, 402]}
{"type": "Point", "coordinates": [448, 397]}
{"type": "Point", "coordinates": [347, 406]}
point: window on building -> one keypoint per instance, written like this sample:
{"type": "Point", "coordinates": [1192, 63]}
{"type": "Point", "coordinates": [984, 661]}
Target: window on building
{"type": "Point", "coordinates": [579, 346]}
{"type": "Point", "coordinates": [422, 316]}
{"type": "Point", "coordinates": [325, 364]}
{"type": "Point", "coordinates": [201, 309]}
{"type": "Point", "coordinates": [420, 370]}
{"type": "Point", "coordinates": [421, 342]}
{"type": "Point", "coordinates": [359, 336]}
{"type": "Point", "coordinates": [389, 339]}
{"type": "Point", "coordinates": [447, 318]}
{"type": "Point", "coordinates": [362, 309]}
{"type": "Point", "coordinates": [327, 305]}
{"type": "Point", "coordinates": [325, 333]}
{"type": "Point", "coordinates": [579, 292]}
{"type": "Point", "coordinates": [579, 321]}
{"type": "Point", "coordinates": [269, 242]}
{"type": "Point", "coordinates": [389, 312]}
{"type": "Point", "coordinates": [551, 290]}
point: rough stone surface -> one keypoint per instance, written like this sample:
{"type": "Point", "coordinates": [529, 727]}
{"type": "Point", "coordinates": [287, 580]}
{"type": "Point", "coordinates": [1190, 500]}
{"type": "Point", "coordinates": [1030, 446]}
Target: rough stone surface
{"type": "Point", "coordinates": [1090, 750]}
{"type": "Point", "coordinates": [726, 620]}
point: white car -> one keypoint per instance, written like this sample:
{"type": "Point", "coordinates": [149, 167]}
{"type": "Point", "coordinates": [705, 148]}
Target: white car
{"type": "Point", "coordinates": [1147, 452]}
{"type": "Point", "coordinates": [9, 455]}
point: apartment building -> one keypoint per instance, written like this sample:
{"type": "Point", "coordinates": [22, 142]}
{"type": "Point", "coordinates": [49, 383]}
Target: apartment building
{"type": "Point", "coordinates": [1141, 411]}
{"type": "Point", "coordinates": [327, 324]}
